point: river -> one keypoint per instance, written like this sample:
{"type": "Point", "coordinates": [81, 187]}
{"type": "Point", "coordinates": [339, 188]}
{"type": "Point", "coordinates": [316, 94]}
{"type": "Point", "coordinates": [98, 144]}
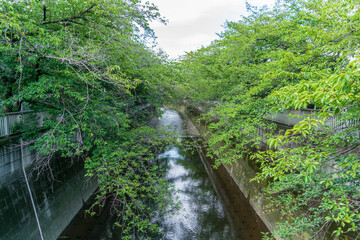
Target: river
{"type": "Point", "coordinates": [211, 205]}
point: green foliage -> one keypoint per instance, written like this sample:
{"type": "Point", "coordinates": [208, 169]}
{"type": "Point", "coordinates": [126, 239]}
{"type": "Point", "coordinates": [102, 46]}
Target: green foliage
{"type": "Point", "coordinates": [85, 67]}
{"type": "Point", "coordinates": [135, 186]}
{"type": "Point", "coordinates": [326, 161]}
{"type": "Point", "coordinates": [296, 56]}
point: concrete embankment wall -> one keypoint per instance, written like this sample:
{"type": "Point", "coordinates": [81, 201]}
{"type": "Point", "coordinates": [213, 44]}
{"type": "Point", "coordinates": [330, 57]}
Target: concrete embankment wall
{"type": "Point", "coordinates": [43, 206]}
{"type": "Point", "coordinates": [57, 197]}
{"type": "Point", "coordinates": [242, 173]}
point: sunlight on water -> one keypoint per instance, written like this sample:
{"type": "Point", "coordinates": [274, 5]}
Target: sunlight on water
{"type": "Point", "coordinates": [198, 204]}
{"type": "Point", "coordinates": [202, 214]}
{"type": "Point", "coordinates": [171, 120]}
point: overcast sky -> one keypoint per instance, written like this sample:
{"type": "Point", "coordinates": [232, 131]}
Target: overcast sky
{"type": "Point", "coordinates": [194, 23]}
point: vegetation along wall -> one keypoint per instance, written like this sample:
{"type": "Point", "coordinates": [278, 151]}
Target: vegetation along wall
{"type": "Point", "coordinates": [298, 55]}
{"type": "Point", "coordinates": [87, 66]}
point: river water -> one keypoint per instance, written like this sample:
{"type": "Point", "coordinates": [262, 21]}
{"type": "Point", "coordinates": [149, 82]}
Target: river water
{"type": "Point", "coordinates": [211, 205]}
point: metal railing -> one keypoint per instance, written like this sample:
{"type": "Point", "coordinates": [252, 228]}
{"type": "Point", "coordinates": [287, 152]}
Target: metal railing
{"type": "Point", "coordinates": [284, 118]}
{"type": "Point", "coordinates": [336, 122]}
{"type": "Point", "coordinates": [11, 123]}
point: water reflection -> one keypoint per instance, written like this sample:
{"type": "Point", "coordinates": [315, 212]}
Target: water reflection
{"type": "Point", "coordinates": [201, 214]}
{"type": "Point", "coordinates": [202, 193]}
{"type": "Point", "coordinates": [171, 120]}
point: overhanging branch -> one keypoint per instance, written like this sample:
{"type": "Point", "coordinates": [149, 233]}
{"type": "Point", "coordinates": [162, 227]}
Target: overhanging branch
{"type": "Point", "coordinates": [70, 19]}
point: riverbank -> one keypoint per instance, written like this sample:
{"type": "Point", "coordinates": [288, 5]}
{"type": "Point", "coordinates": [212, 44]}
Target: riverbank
{"type": "Point", "coordinates": [211, 204]}
{"type": "Point", "coordinates": [241, 173]}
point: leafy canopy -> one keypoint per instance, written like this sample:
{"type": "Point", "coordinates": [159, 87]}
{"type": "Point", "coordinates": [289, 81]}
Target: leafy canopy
{"type": "Point", "coordinates": [84, 65]}
{"type": "Point", "coordinates": [294, 56]}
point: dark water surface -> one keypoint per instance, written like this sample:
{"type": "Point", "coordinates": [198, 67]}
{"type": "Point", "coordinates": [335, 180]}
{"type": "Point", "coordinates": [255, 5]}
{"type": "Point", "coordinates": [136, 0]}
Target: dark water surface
{"type": "Point", "coordinates": [212, 207]}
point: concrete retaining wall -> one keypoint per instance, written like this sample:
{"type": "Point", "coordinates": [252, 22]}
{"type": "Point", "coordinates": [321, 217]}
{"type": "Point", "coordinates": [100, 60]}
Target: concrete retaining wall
{"type": "Point", "coordinates": [56, 201]}
{"type": "Point", "coordinates": [242, 173]}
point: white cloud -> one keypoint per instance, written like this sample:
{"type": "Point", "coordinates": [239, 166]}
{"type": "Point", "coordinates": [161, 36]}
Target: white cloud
{"type": "Point", "coordinates": [193, 23]}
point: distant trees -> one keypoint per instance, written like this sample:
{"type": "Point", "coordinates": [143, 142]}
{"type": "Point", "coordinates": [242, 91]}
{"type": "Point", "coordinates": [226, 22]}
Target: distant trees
{"type": "Point", "coordinates": [86, 65]}
{"type": "Point", "coordinates": [299, 54]}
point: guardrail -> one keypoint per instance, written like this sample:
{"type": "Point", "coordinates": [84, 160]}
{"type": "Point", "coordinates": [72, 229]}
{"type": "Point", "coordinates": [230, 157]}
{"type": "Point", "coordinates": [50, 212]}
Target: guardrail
{"type": "Point", "coordinates": [336, 123]}
{"type": "Point", "coordinates": [11, 123]}
{"type": "Point", "coordinates": [283, 117]}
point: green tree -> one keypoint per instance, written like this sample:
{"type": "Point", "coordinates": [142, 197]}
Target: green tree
{"type": "Point", "coordinates": [325, 165]}
{"type": "Point", "coordinates": [86, 66]}
{"type": "Point", "coordinates": [293, 56]}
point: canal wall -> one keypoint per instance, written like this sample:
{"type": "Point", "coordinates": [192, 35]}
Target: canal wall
{"type": "Point", "coordinates": [38, 206]}
{"type": "Point", "coordinates": [242, 173]}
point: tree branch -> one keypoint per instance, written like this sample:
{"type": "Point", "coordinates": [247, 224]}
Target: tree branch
{"type": "Point", "coordinates": [44, 9]}
{"type": "Point", "coordinates": [344, 35]}
{"type": "Point", "coordinates": [69, 19]}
